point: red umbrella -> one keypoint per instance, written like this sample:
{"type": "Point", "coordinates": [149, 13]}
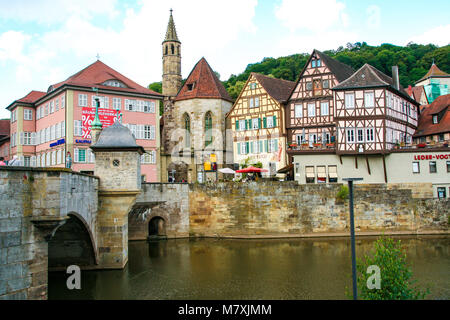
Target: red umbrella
{"type": "Point", "coordinates": [251, 169]}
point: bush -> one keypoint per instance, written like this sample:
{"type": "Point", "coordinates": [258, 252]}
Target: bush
{"type": "Point", "coordinates": [395, 274]}
{"type": "Point", "coordinates": [343, 193]}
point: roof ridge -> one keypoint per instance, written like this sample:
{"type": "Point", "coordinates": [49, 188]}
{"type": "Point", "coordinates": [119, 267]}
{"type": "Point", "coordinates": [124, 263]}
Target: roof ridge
{"type": "Point", "coordinates": [376, 71]}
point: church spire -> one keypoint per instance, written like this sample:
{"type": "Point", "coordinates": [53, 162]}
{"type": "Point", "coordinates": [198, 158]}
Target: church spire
{"type": "Point", "coordinates": [171, 33]}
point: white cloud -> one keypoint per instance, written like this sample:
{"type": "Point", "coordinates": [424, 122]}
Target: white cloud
{"type": "Point", "coordinates": [311, 15]}
{"type": "Point", "coordinates": [373, 16]}
{"type": "Point", "coordinates": [51, 11]}
{"type": "Point", "coordinates": [132, 47]}
{"type": "Point", "coordinates": [438, 35]}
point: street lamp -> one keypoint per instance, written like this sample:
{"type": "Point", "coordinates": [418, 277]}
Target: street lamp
{"type": "Point", "coordinates": [352, 233]}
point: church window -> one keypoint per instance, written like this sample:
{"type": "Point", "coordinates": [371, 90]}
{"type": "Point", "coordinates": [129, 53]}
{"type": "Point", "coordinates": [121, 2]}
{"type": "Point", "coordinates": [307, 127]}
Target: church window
{"type": "Point", "coordinates": [208, 129]}
{"type": "Point", "coordinates": [172, 48]}
{"type": "Point", "coordinates": [187, 127]}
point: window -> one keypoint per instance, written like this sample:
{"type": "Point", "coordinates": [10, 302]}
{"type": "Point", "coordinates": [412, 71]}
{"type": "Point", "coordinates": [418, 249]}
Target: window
{"type": "Point", "coordinates": [13, 116]}
{"type": "Point", "coordinates": [130, 105]}
{"type": "Point", "coordinates": [435, 119]}
{"type": "Point", "coordinates": [79, 155]}
{"type": "Point", "coordinates": [317, 87]}
{"type": "Point", "coordinates": [52, 133]}
{"type": "Point", "coordinates": [349, 101]}
{"type": "Point", "coordinates": [350, 135]}
{"type": "Point", "coordinates": [149, 132]}
{"type": "Point", "coordinates": [82, 100]}
{"type": "Point", "coordinates": [256, 102]}
{"type": "Point", "coordinates": [415, 167]}
{"type": "Point", "coordinates": [77, 128]}
{"type": "Point", "coordinates": [148, 107]}
{"type": "Point", "coordinates": [47, 158]}
{"type": "Point", "coordinates": [63, 102]}
{"type": "Point", "coordinates": [53, 158]}
{"type": "Point", "coordinates": [52, 106]}
{"type": "Point", "coordinates": [27, 114]}
{"type": "Point", "coordinates": [191, 86]}
{"type": "Point", "coordinates": [187, 128]}
{"type": "Point", "coordinates": [271, 122]}
{"type": "Point", "coordinates": [332, 173]}
{"type": "Point", "coordinates": [311, 109]}
{"type": "Point", "coordinates": [360, 135]}
{"type": "Point", "coordinates": [255, 123]}
{"type": "Point", "coordinates": [242, 124]}
{"type": "Point", "coordinates": [433, 167]}
{"type": "Point", "coordinates": [63, 128]}
{"type": "Point", "coordinates": [310, 176]}
{"type": "Point", "coordinates": [26, 138]}
{"type": "Point", "coordinates": [90, 156]}
{"type": "Point", "coordinates": [58, 156]}
{"type": "Point", "coordinates": [208, 129]}
{"type": "Point", "coordinates": [272, 145]}
{"type": "Point", "coordinates": [117, 103]}
{"type": "Point", "coordinates": [319, 63]}
{"type": "Point", "coordinates": [369, 135]}
{"type": "Point", "coordinates": [56, 104]}
{"type": "Point", "coordinates": [298, 139]}
{"type": "Point", "coordinates": [47, 107]}
{"type": "Point", "coordinates": [38, 113]}
{"type": "Point", "coordinates": [313, 63]}
{"type": "Point", "coordinates": [441, 193]}
{"type": "Point", "coordinates": [243, 148]}
{"type": "Point", "coordinates": [298, 110]}
{"type": "Point", "coordinates": [114, 83]}
{"type": "Point", "coordinates": [251, 102]}
{"type": "Point", "coordinates": [104, 101]}
{"type": "Point", "coordinates": [324, 109]}
{"type": "Point", "coordinates": [369, 99]}
{"type": "Point", "coordinates": [448, 166]}
{"type": "Point", "coordinates": [252, 85]}
{"type": "Point", "coordinates": [309, 86]}
{"type": "Point", "coordinates": [321, 174]}
{"type": "Point", "coordinates": [325, 84]}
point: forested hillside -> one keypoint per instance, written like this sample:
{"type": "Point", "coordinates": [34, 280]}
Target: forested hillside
{"type": "Point", "coordinates": [413, 61]}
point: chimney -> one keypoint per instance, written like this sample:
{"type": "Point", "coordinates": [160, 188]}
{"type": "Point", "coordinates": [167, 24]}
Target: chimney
{"type": "Point", "coordinates": [395, 81]}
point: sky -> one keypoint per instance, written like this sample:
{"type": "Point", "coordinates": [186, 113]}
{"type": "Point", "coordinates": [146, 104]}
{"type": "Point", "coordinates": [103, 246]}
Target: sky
{"type": "Point", "coordinates": [43, 42]}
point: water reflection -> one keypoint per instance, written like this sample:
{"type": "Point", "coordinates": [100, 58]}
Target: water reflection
{"type": "Point", "coordinates": [249, 269]}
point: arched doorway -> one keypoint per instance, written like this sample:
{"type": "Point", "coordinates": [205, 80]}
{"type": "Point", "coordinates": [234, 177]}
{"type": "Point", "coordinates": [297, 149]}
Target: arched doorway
{"type": "Point", "coordinates": [157, 228]}
{"type": "Point", "coordinates": [71, 245]}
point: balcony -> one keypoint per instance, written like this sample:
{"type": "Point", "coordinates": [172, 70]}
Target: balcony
{"type": "Point", "coordinates": [314, 147]}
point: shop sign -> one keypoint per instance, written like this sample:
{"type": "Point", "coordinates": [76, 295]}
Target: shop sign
{"type": "Point", "coordinates": [431, 156]}
{"type": "Point", "coordinates": [57, 143]}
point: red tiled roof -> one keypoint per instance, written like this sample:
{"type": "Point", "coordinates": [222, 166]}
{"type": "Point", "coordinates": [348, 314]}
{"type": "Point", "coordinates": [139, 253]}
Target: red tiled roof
{"type": "Point", "coordinates": [206, 85]}
{"type": "Point", "coordinates": [425, 126]}
{"type": "Point", "coordinates": [434, 72]}
{"type": "Point", "coordinates": [32, 97]}
{"type": "Point", "coordinates": [417, 93]}
{"type": "Point", "coordinates": [278, 89]}
{"type": "Point", "coordinates": [97, 73]}
{"type": "Point", "coordinates": [4, 127]}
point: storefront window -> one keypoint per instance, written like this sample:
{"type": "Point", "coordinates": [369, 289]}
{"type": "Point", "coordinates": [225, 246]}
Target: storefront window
{"type": "Point", "coordinates": [448, 166]}
{"type": "Point", "coordinates": [441, 193]}
{"type": "Point", "coordinates": [416, 167]}
{"type": "Point", "coordinates": [310, 176]}
{"type": "Point", "coordinates": [433, 167]}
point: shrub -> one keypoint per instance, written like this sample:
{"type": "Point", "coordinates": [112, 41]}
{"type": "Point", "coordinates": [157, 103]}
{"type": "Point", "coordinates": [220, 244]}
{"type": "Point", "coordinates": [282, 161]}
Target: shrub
{"type": "Point", "coordinates": [395, 274]}
{"type": "Point", "coordinates": [343, 193]}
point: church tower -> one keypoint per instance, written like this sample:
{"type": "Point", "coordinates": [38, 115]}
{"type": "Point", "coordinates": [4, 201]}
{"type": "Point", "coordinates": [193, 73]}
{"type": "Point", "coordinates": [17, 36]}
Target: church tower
{"type": "Point", "coordinates": [171, 46]}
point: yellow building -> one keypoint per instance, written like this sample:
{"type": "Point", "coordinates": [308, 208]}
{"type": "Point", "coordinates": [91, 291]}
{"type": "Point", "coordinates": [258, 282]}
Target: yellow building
{"type": "Point", "coordinates": [258, 122]}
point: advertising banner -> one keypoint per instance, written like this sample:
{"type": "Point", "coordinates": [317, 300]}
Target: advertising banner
{"type": "Point", "coordinates": [107, 118]}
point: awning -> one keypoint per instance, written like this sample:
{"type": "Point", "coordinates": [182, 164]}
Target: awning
{"type": "Point", "coordinates": [332, 175]}
{"type": "Point", "coordinates": [286, 169]}
{"type": "Point", "coordinates": [321, 175]}
{"type": "Point", "coordinates": [310, 175]}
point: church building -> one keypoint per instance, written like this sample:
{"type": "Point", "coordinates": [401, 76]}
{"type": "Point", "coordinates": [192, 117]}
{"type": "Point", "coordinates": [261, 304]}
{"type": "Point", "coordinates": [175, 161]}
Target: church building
{"type": "Point", "coordinates": [193, 145]}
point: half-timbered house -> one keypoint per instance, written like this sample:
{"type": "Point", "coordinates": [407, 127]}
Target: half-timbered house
{"type": "Point", "coordinates": [310, 110]}
{"type": "Point", "coordinates": [257, 119]}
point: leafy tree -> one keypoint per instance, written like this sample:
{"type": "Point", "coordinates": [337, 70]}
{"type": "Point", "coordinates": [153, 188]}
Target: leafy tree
{"type": "Point", "coordinates": [395, 274]}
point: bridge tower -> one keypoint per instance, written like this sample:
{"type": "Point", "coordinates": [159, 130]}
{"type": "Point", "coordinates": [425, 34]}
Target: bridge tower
{"type": "Point", "coordinates": [117, 164]}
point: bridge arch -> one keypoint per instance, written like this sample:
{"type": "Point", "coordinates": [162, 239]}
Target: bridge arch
{"type": "Point", "coordinates": [72, 243]}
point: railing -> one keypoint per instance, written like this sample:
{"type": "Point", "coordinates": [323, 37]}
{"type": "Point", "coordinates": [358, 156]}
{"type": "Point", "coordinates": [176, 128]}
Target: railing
{"type": "Point", "coordinates": [313, 146]}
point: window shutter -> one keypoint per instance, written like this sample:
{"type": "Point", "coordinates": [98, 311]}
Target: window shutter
{"type": "Point", "coordinates": [237, 125]}
{"type": "Point", "coordinates": [247, 147]}
{"type": "Point", "coordinates": [274, 121]}
{"type": "Point", "coordinates": [21, 138]}
{"type": "Point", "coordinates": [266, 145]}
{"type": "Point", "coordinates": [259, 123]}
{"type": "Point", "coordinates": [106, 102]}
{"type": "Point", "coordinates": [265, 122]}
{"type": "Point", "coordinates": [75, 155]}
{"type": "Point", "coordinates": [238, 148]}
{"type": "Point", "coordinates": [251, 147]}
{"type": "Point", "coordinates": [246, 124]}
{"type": "Point", "coordinates": [33, 138]}
{"type": "Point", "coordinates": [33, 161]}
{"type": "Point", "coordinates": [152, 132]}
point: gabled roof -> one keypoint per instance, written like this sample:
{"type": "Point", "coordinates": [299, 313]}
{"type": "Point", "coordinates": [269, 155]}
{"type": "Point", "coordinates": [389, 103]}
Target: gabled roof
{"type": "Point", "coordinates": [278, 89]}
{"type": "Point", "coordinates": [340, 70]}
{"type": "Point", "coordinates": [204, 84]}
{"type": "Point", "coordinates": [5, 127]}
{"type": "Point", "coordinates": [97, 73]}
{"type": "Point", "coordinates": [426, 126]}
{"type": "Point", "coordinates": [417, 93]}
{"type": "Point", "coordinates": [434, 72]}
{"type": "Point", "coordinates": [32, 97]}
{"type": "Point", "coordinates": [171, 33]}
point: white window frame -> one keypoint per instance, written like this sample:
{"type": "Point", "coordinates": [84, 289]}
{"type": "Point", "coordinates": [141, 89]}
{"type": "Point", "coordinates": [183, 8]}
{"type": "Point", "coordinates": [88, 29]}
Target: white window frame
{"type": "Point", "coordinates": [369, 99]}
{"type": "Point", "coordinates": [255, 123]}
{"type": "Point", "coordinates": [347, 136]}
{"type": "Point", "coordinates": [298, 110]}
{"type": "Point", "coordinates": [242, 125]}
{"type": "Point", "coordinates": [82, 100]}
{"type": "Point", "coordinates": [311, 110]}
{"type": "Point", "coordinates": [27, 114]}
{"type": "Point", "coordinates": [349, 97]}
{"type": "Point", "coordinates": [370, 134]}
{"type": "Point", "coordinates": [358, 136]}
{"type": "Point", "coordinates": [325, 106]}
{"type": "Point", "coordinates": [269, 122]}
{"type": "Point", "coordinates": [77, 128]}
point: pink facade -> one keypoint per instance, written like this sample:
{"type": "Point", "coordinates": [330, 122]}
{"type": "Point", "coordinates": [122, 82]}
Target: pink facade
{"type": "Point", "coordinates": [48, 125]}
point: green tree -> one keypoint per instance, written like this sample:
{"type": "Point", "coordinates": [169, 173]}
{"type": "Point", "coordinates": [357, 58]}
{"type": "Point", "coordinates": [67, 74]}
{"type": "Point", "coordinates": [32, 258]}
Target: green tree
{"type": "Point", "coordinates": [395, 274]}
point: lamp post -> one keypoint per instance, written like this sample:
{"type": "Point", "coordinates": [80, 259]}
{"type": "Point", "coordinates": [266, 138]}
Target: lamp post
{"type": "Point", "coordinates": [352, 234]}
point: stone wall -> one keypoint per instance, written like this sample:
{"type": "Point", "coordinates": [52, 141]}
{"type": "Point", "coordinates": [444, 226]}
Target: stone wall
{"type": "Point", "coordinates": [169, 201]}
{"type": "Point", "coordinates": [289, 209]}
{"type": "Point", "coordinates": [28, 194]}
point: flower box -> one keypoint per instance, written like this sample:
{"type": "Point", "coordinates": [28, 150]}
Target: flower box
{"type": "Point", "coordinates": [421, 145]}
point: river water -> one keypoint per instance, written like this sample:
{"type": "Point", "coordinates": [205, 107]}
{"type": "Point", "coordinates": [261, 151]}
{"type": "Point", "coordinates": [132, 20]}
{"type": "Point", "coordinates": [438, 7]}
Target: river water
{"type": "Point", "coordinates": [250, 269]}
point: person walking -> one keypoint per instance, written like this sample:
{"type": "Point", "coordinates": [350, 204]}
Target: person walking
{"type": "Point", "coordinates": [2, 161]}
{"type": "Point", "coordinates": [68, 160]}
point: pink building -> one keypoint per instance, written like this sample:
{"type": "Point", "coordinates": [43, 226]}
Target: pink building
{"type": "Point", "coordinates": [45, 126]}
{"type": "Point", "coordinates": [4, 138]}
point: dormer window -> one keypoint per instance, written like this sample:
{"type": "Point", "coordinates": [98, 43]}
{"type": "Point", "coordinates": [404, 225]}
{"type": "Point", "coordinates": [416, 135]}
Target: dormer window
{"type": "Point", "coordinates": [435, 119]}
{"type": "Point", "coordinates": [191, 86]}
{"type": "Point", "coordinates": [114, 83]}
{"type": "Point", "coordinates": [315, 63]}
{"type": "Point", "coordinates": [50, 89]}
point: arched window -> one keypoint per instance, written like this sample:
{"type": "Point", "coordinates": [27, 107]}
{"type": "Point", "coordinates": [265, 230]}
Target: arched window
{"type": "Point", "coordinates": [178, 50]}
{"type": "Point", "coordinates": [172, 48]}
{"type": "Point", "coordinates": [166, 49]}
{"type": "Point", "coordinates": [187, 128]}
{"type": "Point", "coordinates": [208, 128]}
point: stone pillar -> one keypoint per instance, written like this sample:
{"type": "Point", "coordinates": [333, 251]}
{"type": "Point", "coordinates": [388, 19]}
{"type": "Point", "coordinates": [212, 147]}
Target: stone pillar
{"type": "Point", "coordinates": [117, 164]}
